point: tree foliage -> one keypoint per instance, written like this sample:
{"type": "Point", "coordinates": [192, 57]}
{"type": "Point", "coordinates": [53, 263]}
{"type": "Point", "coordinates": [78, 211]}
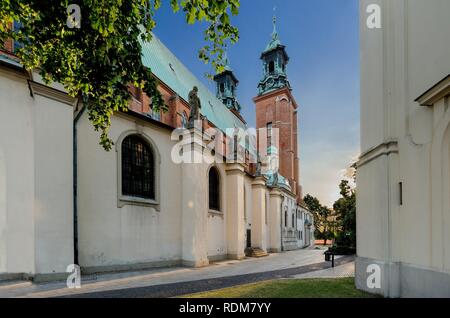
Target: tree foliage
{"type": "Point", "coordinates": [322, 223]}
{"type": "Point", "coordinates": [98, 60]}
{"type": "Point", "coordinates": [345, 209]}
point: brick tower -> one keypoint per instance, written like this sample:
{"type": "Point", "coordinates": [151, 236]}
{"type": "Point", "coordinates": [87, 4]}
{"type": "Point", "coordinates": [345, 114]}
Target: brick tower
{"type": "Point", "coordinates": [276, 108]}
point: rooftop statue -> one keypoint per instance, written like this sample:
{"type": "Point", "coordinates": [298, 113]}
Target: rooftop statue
{"type": "Point", "coordinates": [194, 103]}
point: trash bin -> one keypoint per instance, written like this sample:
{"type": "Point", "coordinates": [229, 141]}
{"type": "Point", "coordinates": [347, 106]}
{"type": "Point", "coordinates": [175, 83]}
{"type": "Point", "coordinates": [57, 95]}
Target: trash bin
{"type": "Point", "coordinates": [327, 256]}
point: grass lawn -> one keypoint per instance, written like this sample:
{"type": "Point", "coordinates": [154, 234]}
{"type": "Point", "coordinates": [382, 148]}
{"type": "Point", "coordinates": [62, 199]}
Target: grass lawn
{"type": "Point", "coordinates": [290, 288]}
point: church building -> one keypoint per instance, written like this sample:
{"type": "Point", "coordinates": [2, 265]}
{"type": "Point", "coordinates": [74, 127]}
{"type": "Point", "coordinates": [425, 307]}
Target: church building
{"type": "Point", "coordinates": [403, 174]}
{"type": "Point", "coordinates": [65, 200]}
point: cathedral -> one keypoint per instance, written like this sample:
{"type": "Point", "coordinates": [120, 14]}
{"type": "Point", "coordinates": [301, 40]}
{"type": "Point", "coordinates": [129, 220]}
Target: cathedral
{"type": "Point", "coordinates": [65, 200]}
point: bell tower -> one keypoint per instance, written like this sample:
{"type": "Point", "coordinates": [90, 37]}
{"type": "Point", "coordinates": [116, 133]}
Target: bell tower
{"type": "Point", "coordinates": [275, 61]}
{"type": "Point", "coordinates": [226, 87]}
{"type": "Point", "coordinates": [276, 108]}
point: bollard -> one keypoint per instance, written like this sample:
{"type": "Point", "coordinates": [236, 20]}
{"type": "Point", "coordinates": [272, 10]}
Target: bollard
{"type": "Point", "coordinates": [332, 260]}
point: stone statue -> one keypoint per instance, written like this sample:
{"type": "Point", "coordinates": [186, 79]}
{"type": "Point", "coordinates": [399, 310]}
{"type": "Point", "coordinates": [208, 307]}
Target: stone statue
{"type": "Point", "coordinates": [194, 103]}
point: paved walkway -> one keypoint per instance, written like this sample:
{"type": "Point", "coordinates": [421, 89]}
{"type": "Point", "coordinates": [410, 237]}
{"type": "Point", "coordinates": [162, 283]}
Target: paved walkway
{"type": "Point", "coordinates": [178, 281]}
{"type": "Point", "coordinates": [345, 270]}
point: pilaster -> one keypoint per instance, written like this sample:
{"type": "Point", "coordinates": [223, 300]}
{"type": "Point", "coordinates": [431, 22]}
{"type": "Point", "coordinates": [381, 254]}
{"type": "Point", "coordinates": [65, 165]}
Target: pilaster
{"type": "Point", "coordinates": [275, 220]}
{"type": "Point", "coordinates": [235, 174]}
{"type": "Point", "coordinates": [258, 214]}
{"type": "Point", "coordinates": [194, 205]}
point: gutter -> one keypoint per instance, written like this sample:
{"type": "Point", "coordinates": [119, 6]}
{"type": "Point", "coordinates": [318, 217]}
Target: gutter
{"type": "Point", "coordinates": [75, 184]}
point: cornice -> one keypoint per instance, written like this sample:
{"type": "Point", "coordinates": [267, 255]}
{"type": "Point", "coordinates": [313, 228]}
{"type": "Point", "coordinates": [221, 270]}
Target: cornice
{"type": "Point", "coordinates": [384, 149]}
{"type": "Point", "coordinates": [52, 93]}
{"type": "Point", "coordinates": [435, 93]}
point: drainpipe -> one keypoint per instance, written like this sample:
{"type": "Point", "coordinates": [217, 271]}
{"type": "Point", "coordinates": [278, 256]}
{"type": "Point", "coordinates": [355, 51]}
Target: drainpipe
{"type": "Point", "coordinates": [75, 189]}
{"type": "Point", "coordinates": [281, 225]}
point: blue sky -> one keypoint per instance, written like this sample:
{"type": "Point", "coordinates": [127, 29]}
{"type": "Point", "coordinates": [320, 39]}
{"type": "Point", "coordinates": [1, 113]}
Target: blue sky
{"type": "Point", "coordinates": [321, 37]}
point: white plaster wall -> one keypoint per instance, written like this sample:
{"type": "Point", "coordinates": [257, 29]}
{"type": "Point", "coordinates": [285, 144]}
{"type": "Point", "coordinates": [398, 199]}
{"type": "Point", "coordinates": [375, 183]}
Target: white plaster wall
{"type": "Point", "coordinates": [248, 200]}
{"type": "Point", "coordinates": [398, 63]}
{"type": "Point", "coordinates": [35, 180]}
{"type": "Point", "coordinates": [16, 175]}
{"type": "Point", "coordinates": [217, 246]}
{"type": "Point", "coordinates": [428, 62]}
{"type": "Point", "coordinates": [110, 235]}
{"type": "Point", "coordinates": [3, 227]}
{"type": "Point", "coordinates": [371, 50]}
{"type": "Point", "coordinates": [236, 228]}
{"type": "Point", "coordinates": [267, 218]}
{"type": "Point", "coordinates": [372, 206]}
{"type": "Point", "coordinates": [53, 209]}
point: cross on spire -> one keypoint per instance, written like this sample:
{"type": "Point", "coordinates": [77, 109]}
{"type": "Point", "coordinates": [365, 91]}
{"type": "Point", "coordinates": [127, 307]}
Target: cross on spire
{"type": "Point", "coordinates": [226, 61]}
{"type": "Point", "coordinates": [274, 33]}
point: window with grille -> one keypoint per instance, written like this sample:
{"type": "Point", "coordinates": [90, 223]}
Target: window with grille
{"type": "Point", "coordinates": [138, 168]}
{"type": "Point", "coordinates": [214, 189]}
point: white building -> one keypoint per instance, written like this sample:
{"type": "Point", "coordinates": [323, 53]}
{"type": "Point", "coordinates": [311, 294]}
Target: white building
{"type": "Point", "coordinates": [65, 200]}
{"type": "Point", "coordinates": [403, 176]}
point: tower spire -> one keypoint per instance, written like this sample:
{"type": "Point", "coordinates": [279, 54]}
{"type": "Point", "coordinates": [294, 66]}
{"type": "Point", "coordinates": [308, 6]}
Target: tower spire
{"type": "Point", "coordinates": [274, 21]}
{"type": "Point", "coordinates": [275, 39]}
{"type": "Point", "coordinates": [226, 61]}
{"type": "Point", "coordinates": [275, 61]}
{"type": "Point", "coordinates": [226, 84]}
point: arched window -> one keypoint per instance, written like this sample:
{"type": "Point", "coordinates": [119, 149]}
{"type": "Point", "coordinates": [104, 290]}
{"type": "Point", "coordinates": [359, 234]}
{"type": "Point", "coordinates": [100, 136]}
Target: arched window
{"type": "Point", "coordinates": [138, 168]}
{"type": "Point", "coordinates": [222, 88]}
{"type": "Point", "coordinates": [271, 66]}
{"type": "Point", "coordinates": [184, 120]}
{"type": "Point", "coordinates": [214, 189]}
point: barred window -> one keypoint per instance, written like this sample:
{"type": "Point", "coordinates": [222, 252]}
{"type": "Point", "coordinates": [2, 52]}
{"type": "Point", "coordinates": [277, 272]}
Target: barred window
{"type": "Point", "coordinates": [214, 189]}
{"type": "Point", "coordinates": [138, 168]}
